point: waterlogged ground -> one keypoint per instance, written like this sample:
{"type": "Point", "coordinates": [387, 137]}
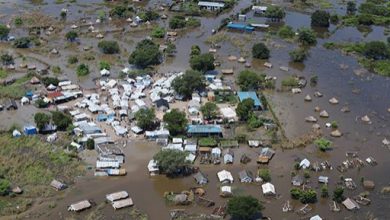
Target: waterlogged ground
{"type": "Point", "coordinates": [363, 92]}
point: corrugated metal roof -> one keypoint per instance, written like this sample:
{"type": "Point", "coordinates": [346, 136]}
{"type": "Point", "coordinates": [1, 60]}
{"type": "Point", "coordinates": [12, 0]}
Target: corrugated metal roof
{"type": "Point", "coordinates": [204, 129]}
{"type": "Point", "coordinates": [249, 95]}
{"type": "Point", "coordinates": [211, 4]}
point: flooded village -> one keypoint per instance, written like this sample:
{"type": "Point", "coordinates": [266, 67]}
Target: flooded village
{"type": "Point", "coordinates": [220, 109]}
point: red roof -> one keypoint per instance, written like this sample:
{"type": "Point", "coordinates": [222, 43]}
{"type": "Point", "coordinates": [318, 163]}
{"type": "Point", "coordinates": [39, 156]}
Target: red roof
{"type": "Point", "coordinates": [53, 95]}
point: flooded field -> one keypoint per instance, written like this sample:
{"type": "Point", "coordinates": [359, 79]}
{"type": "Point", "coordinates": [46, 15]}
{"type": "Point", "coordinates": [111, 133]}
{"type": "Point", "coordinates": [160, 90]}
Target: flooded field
{"type": "Point", "coordinates": [339, 76]}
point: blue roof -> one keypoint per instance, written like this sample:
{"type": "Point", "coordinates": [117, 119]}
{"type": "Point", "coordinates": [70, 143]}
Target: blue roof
{"type": "Point", "coordinates": [240, 26]}
{"type": "Point", "coordinates": [206, 129]}
{"type": "Point", "coordinates": [250, 95]}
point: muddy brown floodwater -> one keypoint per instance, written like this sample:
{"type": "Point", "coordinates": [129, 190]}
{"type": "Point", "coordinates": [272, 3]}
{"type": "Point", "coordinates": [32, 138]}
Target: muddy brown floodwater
{"type": "Point", "coordinates": [147, 192]}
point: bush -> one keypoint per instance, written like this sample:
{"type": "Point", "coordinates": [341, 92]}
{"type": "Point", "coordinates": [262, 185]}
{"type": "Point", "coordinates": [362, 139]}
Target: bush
{"type": "Point", "coordinates": [254, 122]}
{"type": "Point", "coordinates": [365, 19]}
{"type": "Point", "coordinates": [203, 62]}
{"type": "Point", "coordinates": [338, 194]}
{"type": "Point", "coordinates": [50, 80]}
{"type": "Point", "coordinates": [4, 31]}
{"type": "Point", "coordinates": [298, 55]}
{"type": "Point", "coordinates": [323, 144]}
{"type": "Point", "coordinates": [18, 21]}
{"type": "Point", "coordinates": [245, 109]}
{"type": "Point", "coordinates": [109, 47]}
{"type": "Point", "coordinates": [295, 193]}
{"type": "Point", "coordinates": [119, 11]}
{"type": "Point", "coordinates": [104, 65]}
{"type": "Point", "coordinates": [334, 19]}
{"type": "Point", "coordinates": [207, 142]}
{"type": "Point", "coordinates": [286, 32]}
{"type": "Point", "coordinates": [351, 7]}
{"type": "Point", "coordinates": [308, 196]}
{"type": "Point", "coordinates": [72, 59]}
{"type": "Point", "coordinates": [158, 32]}
{"type": "Point", "coordinates": [306, 37]}
{"type": "Point", "coordinates": [145, 54]}
{"type": "Point", "coordinates": [376, 50]}
{"type": "Point", "coordinates": [82, 70]}
{"type": "Point", "coordinates": [40, 103]}
{"type": "Point", "coordinates": [193, 22]}
{"type": "Point", "coordinates": [5, 186]}
{"type": "Point", "coordinates": [209, 110]}
{"type": "Point", "coordinates": [264, 174]}
{"type": "Point", "coordinates": [260, 51]}
{"type": "Point", "coordinates": [177, 22]}
{"type": "Point", "coordinates": [23, 42]}
{"type": "Point", "coordinates": [90, 144]}
{"type": "Point", "coordinates": [275, 12]}
{"type": "Point", "coordinates": [41, 120]}
{"type": "Point", "coordinates": [243, 207]}
{"type": "Point", "coordinates": [7, 59]}
{"type": "Point", "coordinates": [71, 35]}
{"type": "Point", "coordinates": [171, 162]}
{"type": "Point", "coordinates": [149, 15]}
{"type": "Point", "coordinates": [320, 19]}
{"type": "Point", "coordinates": [324, 191]}
{"type": "Point", "coordinates": [290, 81]}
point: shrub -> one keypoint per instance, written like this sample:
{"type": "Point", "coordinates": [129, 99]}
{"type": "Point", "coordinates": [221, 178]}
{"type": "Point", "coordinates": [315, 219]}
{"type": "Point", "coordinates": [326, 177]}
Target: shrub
{"type": "Point", "coordinates": [320, 19]}
{"type": "Point", "coordinates": [338, 194]}
{"type": "Point", "coordinates": [109, 47]}
{"type": "Point", "coordinates": [207, 142]}
{"type": "Point", "coordinates": [365, 19]}
{"type": "Point", "coordinates": [4, 31]}
{"type": "Point", "coordinates": [323, 144]}
{"type": "Point", "coordinates": [61, 120]}
{"type": "Point", "coordinates": [243, 207]}
{"type": "Point", "coordinates": [295, 193]}
{"type": "Point", "coordinates": [298, 55]}
{"type": "Point", "coordinates": [158, 32]}
{"type": "Point", "coordinates": [23, 42]}
{"type": "Point", "coordinates": [145, 54]}
{"type": "Point", "coordinates": [376, 50]}
{"type": "Point", "coordinates": [308, 196]}
{"type": "Point", "coordinates": [71, 35]}
{"type": "Point", "coordinates": [286, 32]}
{"type": "Point", "coordinates": [82, 70]}
{"type": "Point", "coordinates": [90, 144]}
{"type": "Point", "coordinates": [324, 191]}
{"type": "Point", "coordinates": [264, 174]}
{"type": "Point", "coordinates": [260, 51]}
{"type": "Point", "coordinates": [306, 37]}
{"type": "Point", "coordinates": [72, 59]}
{"type": "Point", "coordinates": [193, 22]}
{"type": "Point", "coordinates": [177, 22]}
{"type": "Point", "coordinates": [104, 65]}
{"type": "Point", "coordinates": [18, 21]}
{"type": "Point", "coordinates": [290, 81]}
{"type": "Point", "coordinates": [4, 187]}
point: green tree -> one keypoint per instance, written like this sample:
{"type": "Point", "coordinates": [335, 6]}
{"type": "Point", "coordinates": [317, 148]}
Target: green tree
{"type": "Point", "coordinates": [171, 162]}
{"type": "Point", "coordinates": [109, 47]}
{"type": "Point", "coordinates": [104, 65]}
{"type": "Point", "coordinates": [145, 118]}
{"type": "Point", "coordinates": [323, 144]}
{"type": "Point", "coordinates": [41, 119]}
{"type": "Point", "coordinates": [119, 11]}
{"type": "Point", "coordinates": [158, 32]}
{"type": "Point", "coordinates": [260, 51]}
{"type": "Point", "coordinates": [23, 42]}
{"type": "Point", "coordinates": [338, 194]}
{"type": "Point", "coordinates": [176, 121]}
{"type": "Point", "coordinates": [245, 109]}
{"type": "Point", "coordinates": [50, 80]}
{"type": "Point", "coordinates": [264, 174]}
{"type": "Point", "coordinates": [145, 54]}
{"type": "Point", "coordinates": [286, 32]}
{"type": "Point", "coordinates": [324, 191]}
{"type": "Point", "coordinates": [308, 196]}
{"type": "Point", "coordinates": [71, 36]}
{"type": "Point", "coordinates": [7, 59]}
{"type": "Point", "coordinates": [306, 37]}
{"type": "Point", "coordinates": [320, 18]}
{"type": "Point", "coordinates": [275, 13]}
{"type": "Point", "coordinates": [189, 82]}
{"type": "Point", "coordinates": [195, 51]}
{"type": "Point", "coordinates": [82, 70]}
{"type": "Point", "coordinates": [298, 55]}
{"type": "Point", "coordinates": [171, 49]}
{"type": "Point", "coordinates": [4, 31]}
{"type": "Point", "coordinates": [4, 187]}
{"type": "Point", "coordinates": [376, 50]}
{"type": "Point", "coordinates": [203, 62]}
{"type": "Point", "coordinates": [351, 7]}
{"type": "Point", "coordinates": [177, 22]}
{"type": "Point", "coordinates": [365, 19]}
{"type": "Point", "coordinates": [40, 103]}
{"type": "Point", "coordinates": [248, 80]}
{"type": "Point", "coordinates": [254, 122]}
{"type": "Point", "coordinates": [90, 144]}
{"type": "Point", "coordinates": [61, 120]}
{"type": "Point", "coordinates": [149, 15]}
{"type": "Point", "coordinates": [209, 110]}
{"type": "Point", "coordinates": [243, 207]}
{"type": "Point", "coordinates": [295, 193]}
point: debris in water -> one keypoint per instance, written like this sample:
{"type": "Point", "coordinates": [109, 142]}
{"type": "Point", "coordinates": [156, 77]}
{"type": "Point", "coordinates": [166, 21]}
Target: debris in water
{"type": "Point", "coordinates": [336, 133]}
{"type": "Point", "coordinates": [318, 94]}
{"type": "Point", "coordinates": [366, 119]}
{"type": "Point", "coordinates": [324, 114]}
{"type": "Point", "coordinates": [333, 101]}
{"type": "Point", "coordinates": [310, 119]}
{"type": "Point", "coordinates": [308, 98]}
{"type": "Point", "coordinates": [345, 109]}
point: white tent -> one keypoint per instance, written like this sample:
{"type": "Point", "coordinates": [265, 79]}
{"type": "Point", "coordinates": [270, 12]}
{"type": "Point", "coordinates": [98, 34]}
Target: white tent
{"type": "Point", "coordinates": [316, 217]}
{"type": "Point", "coordinates": [16, 133]}
{"type": "Point", "coordinates": [225, 176]}
{"type": "Point", "coordinates": [51, 87]}
{"type": "Point", "coordinates": [304, 164]}
{"type": "Point", "coordinates": [268, 189]}
{"type": "Point", "coordinates": [24, 100]}
{"type": "Point", "coordinates": [104, 72]}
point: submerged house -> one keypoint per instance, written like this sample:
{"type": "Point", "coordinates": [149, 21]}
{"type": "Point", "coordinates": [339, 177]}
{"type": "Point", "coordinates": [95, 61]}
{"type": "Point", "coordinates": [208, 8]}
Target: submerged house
{"type": "Point", "coordinates": [200, 178]}
{"type": "Point", "coordinates": [79, 206]}
{"type": "Point", "coordinates": [204, 130]}
{"type": "Point", "coordinates": [153, 168]}
{"type": "Point", "coordinates": [228, 158]}
{"type": "Point", "coordinates": [266, 155]}
{"type": "Point", "coordinates": [122, 203]}
{"type": "Point", "coordinates": [245, 176]}
{"type": "Point", "coordinates": [117, 196]}
{"type": "Point", "coordinates": [225, 177]}
{"type": "Point", "coordinates": [57, 185]}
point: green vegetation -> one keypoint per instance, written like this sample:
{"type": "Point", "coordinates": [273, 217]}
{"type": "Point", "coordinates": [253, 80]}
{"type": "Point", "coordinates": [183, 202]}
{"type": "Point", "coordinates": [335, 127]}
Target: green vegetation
{"type": "Point", "coordinates": [207, 142]}
{"type": "Point", "coordinates": [189, 82]}
{"type": "Point", "coordinates": [104, 65]}
{"type": "Point", "coordinates": [243, 207]}
{"type": "Point", "coordinates": [158, 32]}
{"type": "Point", "coordinates": [290, 81]}
{"type": "Point", "coordinates": [260, 51]}
{"type": "Point", "coordinates": [7, 59]}
{"type": "Point", "coordinates": [171, 49]}
{"type": "Point", "coordinates": [306, 37]}
{"type": "Point", "coordinates": [146, 53]}
{"type": "Point", "coordinates": [176, 122]}
{"type": "Point", "coordinates": [254, 122]}
{"type": "Point", "coordinates": [304, 196]}
{"type": "Point", "coordinates": [338, 194]}
{"type": "Point", "coordinates": [245, 109]}
{"type": "Point", "coordinates": [90, 145]}
{"type": "Point", "coordinates": [178, 22]}
{"type": "Point", "coordinates": [4, 31]}
{"type": "Point", "coordinates": [275, 13]}
{"type": "Point", "coordinates": [22, 42]}
{"type": "Point", "coordinates": [71, 36]}
{"type": "Point", "coordinates": [40, 103]}
{"type": "Point", "coordinates": [370, 12]}
{"type": "Point", "coordinates": [351, 7]}
{"type": "Point", "coordinates": [148, 15]}
{"type": "Point", "coordinates": [298, 55]}
{"type": "Point", "coordinates": [109, 47]}
{"type": "Point", "coordinates": [195, 51]}
{"type": "Point", "coordinates": [248, 80]}
{"type": "Point", "coordinates": [209, 110]}
{"type": "Point", "coordinates": [73, 59]}
{"type": "Point", "coordinates": [41, 120]}
{"type": "Point", "coordinates": [3, 74]}
{"type": "Point", "coordinates": [17, 89]}
{"type": "Point", "coordinates": [286, 32]}
{"type": "Point", "coordinates": [5, 186]}
{"type": "Point", "coordinates": [120, 11]}
{"type": "Point", "coordinates": [324, 191]}
{"type": "Point", "coordinates": [320, 18]}
{"type": "Point", "coordinates": [146, 119]}
{"type": "Point", "coordinates": [202, 62]}
{"type": "Point", "coordinates": [323, 144]}
{"type": "Point", "coordinates": [82, 70]}
{"type": "Point", "coordinates": [61, 120]}
{"type": "Point", "coordinates": [50, 80]}
{"type": "Point", "coordinates": [171, 162]}
{"type": "Point", "coordinates": [18, 21]}
{"type": "Point", "coordinates": [32, 164]}
{"type": "Point", "coordinates": [264, 174]}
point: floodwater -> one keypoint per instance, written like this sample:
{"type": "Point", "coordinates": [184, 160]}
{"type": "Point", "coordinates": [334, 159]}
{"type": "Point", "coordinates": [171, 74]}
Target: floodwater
{"type": "Point", "coordinates": [364, 94]}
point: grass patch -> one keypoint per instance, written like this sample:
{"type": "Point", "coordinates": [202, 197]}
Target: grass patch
{"type": "Point", "coordinates": [31, 164]}
{"type": "Point", "coordinates": [217, 38]}
{"type": "Point", "coordinates": [290, 81]}
{"type": "Point", "coordinates": [17, 89]}
{"type": "Point", "coordinates": [207, 142]}
{"type": "Point", "coordinates": [3, 74]}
